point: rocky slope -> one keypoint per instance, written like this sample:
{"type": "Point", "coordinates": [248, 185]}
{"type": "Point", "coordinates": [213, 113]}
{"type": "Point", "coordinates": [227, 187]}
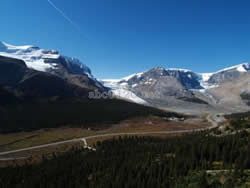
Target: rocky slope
{"type": "Point", "coordinates": [51, 62]}
{"type": "Point", "coordinates": [21, 81]}
{"type": "Point", "coordinates": [187, 91]}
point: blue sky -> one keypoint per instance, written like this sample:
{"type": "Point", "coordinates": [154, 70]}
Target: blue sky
{"type": "Point", "coordinates": [118, 37]}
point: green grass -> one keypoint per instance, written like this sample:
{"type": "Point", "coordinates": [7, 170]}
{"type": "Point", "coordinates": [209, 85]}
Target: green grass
{"type": "Point", "coordinates": [27, 139]}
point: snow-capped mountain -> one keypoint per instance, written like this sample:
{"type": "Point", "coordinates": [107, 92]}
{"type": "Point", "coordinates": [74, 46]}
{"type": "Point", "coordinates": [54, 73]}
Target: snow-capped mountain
{"type": "Point", "coordinates": [159, 86]}
{"type": "Point", "coordinates": [39, 72]}
{"type": "Point", "coordinates": [34, 57]}
{"type": "Point", "coordinates": [41, 59]}
{"type": "Point", "coordinates": [188, 78]}
{"type": "Point", "coordinates": [51, 61]}
{"type": "Point", "coordinates": [228, 74]}
{"type": "Point", "coordinates": [180, 87]}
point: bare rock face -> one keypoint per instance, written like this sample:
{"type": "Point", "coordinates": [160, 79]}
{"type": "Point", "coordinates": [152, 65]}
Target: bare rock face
{"type": "Point", "coordinates": [183, 90]}
{"type": "Point", "coordinates": [159, 83]}
{"type": "Point", "coordinates": [73, 71]}
{"type": "Point", "coordinates": [187, 78]}
{"type": "Point", "coordinates": [163, 88]}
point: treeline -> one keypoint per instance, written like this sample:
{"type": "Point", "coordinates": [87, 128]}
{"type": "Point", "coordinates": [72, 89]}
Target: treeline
{"type": "Point", "coordinates": [239, 121]}
{"type": "Point", "coordinates": [142, 162]}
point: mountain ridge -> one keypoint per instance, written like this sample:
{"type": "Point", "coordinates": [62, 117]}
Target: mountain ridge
{"type": "Point", "coordinates": [69, 69]}
{"type": "Point", "coordinates": [183, 88]}
{"type": "Point", "coordinates": [167, 88]}
{"type": "Point", "coordinates": [242, 67]}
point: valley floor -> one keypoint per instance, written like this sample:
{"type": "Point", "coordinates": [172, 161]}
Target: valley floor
{"type": "Point", "coordinates": [196, 160]}
{"type": "Point", "coordinates": [43, 142]}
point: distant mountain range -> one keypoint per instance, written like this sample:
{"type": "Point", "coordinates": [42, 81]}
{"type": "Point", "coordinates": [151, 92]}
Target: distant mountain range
{"type": "Point", "coordinates": [44, 89]}
{"type": "Point", "coordinates": [186, 91]}
{"type": "Point", "coordinates": [31, 72]}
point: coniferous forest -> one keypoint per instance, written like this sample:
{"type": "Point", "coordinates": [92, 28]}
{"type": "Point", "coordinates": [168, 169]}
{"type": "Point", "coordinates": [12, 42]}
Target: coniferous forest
{"type": "Point", "coordinates": [198, 160]}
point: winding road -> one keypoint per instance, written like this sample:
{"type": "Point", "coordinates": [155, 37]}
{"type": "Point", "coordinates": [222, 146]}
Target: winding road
{"type": "Point", "coordinates": [213, 119]}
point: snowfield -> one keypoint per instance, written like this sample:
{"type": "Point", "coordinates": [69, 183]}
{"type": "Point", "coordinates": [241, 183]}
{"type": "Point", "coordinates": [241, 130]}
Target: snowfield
{"type": "Point", "coordinates": [41, 59]}
{"type": "Point", "coordinates": [121, 91]}
{"type": "Point", "coordinates": [34, 57]}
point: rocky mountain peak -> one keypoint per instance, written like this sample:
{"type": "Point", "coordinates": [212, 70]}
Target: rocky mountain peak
{"type": "Point", "coordinates": [52, 62]}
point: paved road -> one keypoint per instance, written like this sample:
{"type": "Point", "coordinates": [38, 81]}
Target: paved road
{"type": "Point", "coordinates": [41, 146]}
{"type": "Point", "coordinates": [13, 158]}
{"type": "Point", "coordinates": [213, 119]}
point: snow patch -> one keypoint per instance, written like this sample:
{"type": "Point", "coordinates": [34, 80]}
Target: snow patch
{"type": "Point", "coordinates": [177, 69]}
{"type": "Point", "coordinates": [204, 77]}
{"type": "Point", "coordinates": [243, 67]}
{"type": "Point", "coordinates": [111, 83]}
{"type": "Point", "coordinates": [124, 84]}
{"type": "Point", "coordinates": [33, 57]}
{"type": "Point", "coordinates": [40, 65]}
{"type": "Point", "coordinates": [138, 75]}
{"type": "Point", "coordinates": [120, 90]}
{"type": "Point", "coordinates": [126, 94]}
{"type": "Point", "coordinates": [39, 59]}
{"type": "Point", "coordinates": [134, 85]}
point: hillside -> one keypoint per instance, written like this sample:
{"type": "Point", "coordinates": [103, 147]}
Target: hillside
{"type": "Point", "coordinates": [37, 114]}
